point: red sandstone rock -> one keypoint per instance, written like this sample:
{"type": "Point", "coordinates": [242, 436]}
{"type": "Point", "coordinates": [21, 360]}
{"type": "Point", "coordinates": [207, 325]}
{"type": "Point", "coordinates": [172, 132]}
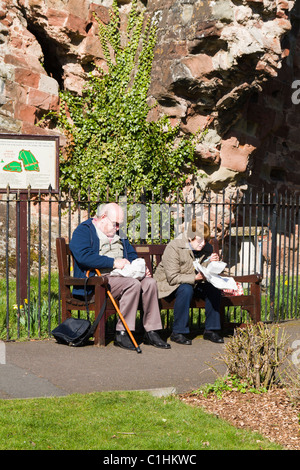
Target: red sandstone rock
{"type": "Point", "coordinates": [194, 124]}
{"type": "Point", "coordinates": [235, 156]}
{"type": "Point", "coordinates": [25, 76]}
{"type": "Point", "coordinates": [56, 18]}
{"type": "Point", "coordinates": [26, 113]}
{"type": "Point", "coordinates": [211, 59]}
{"type": "Point", "coordinates": [199, 65]}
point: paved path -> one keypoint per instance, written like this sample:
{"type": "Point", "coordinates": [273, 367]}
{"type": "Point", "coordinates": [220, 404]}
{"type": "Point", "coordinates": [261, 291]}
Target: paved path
{"type": "Point", "coordinates": [45, 368]}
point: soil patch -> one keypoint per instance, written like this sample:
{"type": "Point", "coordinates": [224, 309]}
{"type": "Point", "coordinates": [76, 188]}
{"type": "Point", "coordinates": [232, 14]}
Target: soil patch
{"type": "Point", "coordinates": [272, 413]}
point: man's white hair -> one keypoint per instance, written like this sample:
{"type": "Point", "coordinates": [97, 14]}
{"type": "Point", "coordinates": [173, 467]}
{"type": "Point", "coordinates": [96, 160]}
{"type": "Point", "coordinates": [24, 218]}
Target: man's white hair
{"type": "Point", "coordinates": [110, 209]}
{"type": "Point", "coordinates": [101, 209]}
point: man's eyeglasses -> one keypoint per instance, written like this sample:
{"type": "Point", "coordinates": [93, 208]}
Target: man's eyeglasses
{"type": "Point", "coordinates": [115, 224]}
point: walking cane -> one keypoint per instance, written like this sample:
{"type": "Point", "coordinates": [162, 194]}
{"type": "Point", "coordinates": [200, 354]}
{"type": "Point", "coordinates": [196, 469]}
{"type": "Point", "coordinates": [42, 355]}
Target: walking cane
{"type": "Point", "coordinates": [137, 348]}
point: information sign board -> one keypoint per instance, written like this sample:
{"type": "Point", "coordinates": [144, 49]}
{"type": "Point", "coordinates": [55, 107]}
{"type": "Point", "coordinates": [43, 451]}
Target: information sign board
{"type": "Point", "coordinates": [29, 160]}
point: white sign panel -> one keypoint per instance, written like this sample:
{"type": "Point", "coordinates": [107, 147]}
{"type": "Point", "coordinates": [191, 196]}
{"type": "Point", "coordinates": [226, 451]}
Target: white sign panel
{"type": "Point", "coordinates": [28, 161]}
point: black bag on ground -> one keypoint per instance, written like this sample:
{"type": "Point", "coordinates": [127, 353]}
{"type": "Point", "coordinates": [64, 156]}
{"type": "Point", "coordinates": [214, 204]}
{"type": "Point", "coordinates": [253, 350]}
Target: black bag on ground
{"type": "Point", "coordinates": [73, 331]}
{"type": "Point", "coordinates": [77, 331]}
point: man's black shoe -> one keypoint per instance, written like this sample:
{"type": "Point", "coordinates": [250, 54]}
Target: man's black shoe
{"type": "Point", "coordinates": [151, 337]}
{"type": "Point", "coordinates": [213, 336]}
{"type": "Point", "coordinates": [123, 341]}
{"type": "Point", "coordinates": [179, 338]}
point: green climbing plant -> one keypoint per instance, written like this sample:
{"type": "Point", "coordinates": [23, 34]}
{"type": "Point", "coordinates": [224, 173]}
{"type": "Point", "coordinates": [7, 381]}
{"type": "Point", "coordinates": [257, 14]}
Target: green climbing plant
{"type": "Point", "coordinates": [110, 141]}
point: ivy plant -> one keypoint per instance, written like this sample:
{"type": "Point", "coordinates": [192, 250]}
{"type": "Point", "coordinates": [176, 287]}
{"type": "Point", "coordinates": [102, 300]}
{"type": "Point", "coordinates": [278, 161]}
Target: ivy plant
{"type": "Point", "coordinates": [110, 142]}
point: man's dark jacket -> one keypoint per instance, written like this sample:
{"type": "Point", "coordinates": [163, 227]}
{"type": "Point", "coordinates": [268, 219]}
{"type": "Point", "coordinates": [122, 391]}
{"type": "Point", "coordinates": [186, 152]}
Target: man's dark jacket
{"type": "Point", "coordinates": [85, 246]}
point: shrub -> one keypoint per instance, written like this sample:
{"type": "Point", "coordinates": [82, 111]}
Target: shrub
{"type": "Point", "coordinates": [256, 353]}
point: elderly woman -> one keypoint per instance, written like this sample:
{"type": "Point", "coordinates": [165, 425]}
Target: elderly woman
{"type": "Point", "coordinates": [176, 279]}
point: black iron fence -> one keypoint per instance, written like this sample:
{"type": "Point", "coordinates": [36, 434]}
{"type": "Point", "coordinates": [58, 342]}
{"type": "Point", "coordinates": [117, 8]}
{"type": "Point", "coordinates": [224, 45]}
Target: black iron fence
{"type": "Point", "coordinates": [257, 232]}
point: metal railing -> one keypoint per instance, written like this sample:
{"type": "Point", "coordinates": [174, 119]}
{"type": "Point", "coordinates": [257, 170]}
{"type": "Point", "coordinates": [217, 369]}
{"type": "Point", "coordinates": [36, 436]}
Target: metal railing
{"type": "Point", "coordinates": [257, 232]}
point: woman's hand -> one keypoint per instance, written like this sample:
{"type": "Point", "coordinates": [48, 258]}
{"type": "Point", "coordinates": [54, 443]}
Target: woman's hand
{"type": "Point", "coordinates": [199, 277]}
{"type": "Point", "coordinates": [214, 257]}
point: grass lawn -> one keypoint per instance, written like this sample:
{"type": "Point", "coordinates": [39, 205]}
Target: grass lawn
{"type": "Point", "coordinates": [118, 421]}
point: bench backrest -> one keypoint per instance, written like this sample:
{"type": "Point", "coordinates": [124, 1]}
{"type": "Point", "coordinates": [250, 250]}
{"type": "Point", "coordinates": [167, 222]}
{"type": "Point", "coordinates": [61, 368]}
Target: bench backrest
{"type": "Point", "coordinates": [151, 253]}
{"type": "Point", "coordinates": [64, 258]}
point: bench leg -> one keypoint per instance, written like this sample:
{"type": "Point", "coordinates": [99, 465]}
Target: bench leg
{"type": "Point", "coordinates": [99, 335]}
{"type": "Point", "coordinates": [255, 314]}
{"type": "Point", "coordinates": [65, 313]}
{"type": "Point", "coordinates": [256, 310]}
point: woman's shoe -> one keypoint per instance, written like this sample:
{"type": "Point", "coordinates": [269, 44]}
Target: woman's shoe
{"type": "Point", "coordinates": [153, 338]}
{"type": "Point", "coordinates": [213, 336]}
{"type": "Point", "coordinates": [179, 338]}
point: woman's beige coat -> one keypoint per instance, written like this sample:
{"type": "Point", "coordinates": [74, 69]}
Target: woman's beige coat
{"type": "Point", "coordinates": [176, 266]}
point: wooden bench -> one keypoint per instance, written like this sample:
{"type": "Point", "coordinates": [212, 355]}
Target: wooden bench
{"type": "Point", "coordinates": [152, 255]}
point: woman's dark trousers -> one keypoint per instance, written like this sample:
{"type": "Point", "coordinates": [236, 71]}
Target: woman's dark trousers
{"type": "Point", "coordinates": [183, 296]}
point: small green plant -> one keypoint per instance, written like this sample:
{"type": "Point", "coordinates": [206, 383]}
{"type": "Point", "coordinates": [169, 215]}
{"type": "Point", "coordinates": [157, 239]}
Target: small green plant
{"type": "Point", "coordinates": [230, 383]}
{"type": "Point", "coordinates": [110, 141]}
{"type": "Point", "coordinates": [36, 319]}
{"type": "Point", "coordinates": [36, 316]}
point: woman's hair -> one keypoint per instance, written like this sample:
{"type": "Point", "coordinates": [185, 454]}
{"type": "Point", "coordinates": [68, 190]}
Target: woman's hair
{"type": "Point", "coordinates": [198, 228]}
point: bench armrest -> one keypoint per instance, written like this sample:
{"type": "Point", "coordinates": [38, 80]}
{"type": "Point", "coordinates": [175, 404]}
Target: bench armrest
{"type": "Point", "coordinates": [93, 281]}
{"type": "Point", "coordinates": [249, 278]}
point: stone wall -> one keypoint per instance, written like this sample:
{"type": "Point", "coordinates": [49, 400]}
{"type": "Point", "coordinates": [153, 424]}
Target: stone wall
{"type": "Point", "coordinates": [228, 67]}
{"type": "Point", "coordinates": [223, 66]}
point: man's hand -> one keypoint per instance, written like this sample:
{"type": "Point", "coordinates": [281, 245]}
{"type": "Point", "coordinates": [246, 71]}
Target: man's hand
{"type": "Point", "coordinates": [120, 263]}
{"type": "Point", "coordinates": [148, 274]}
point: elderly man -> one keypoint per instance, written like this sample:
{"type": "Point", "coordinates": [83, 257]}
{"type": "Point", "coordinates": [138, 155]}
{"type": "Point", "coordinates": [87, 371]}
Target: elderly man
{"type": "Point", "coordinates": [96, 244]}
